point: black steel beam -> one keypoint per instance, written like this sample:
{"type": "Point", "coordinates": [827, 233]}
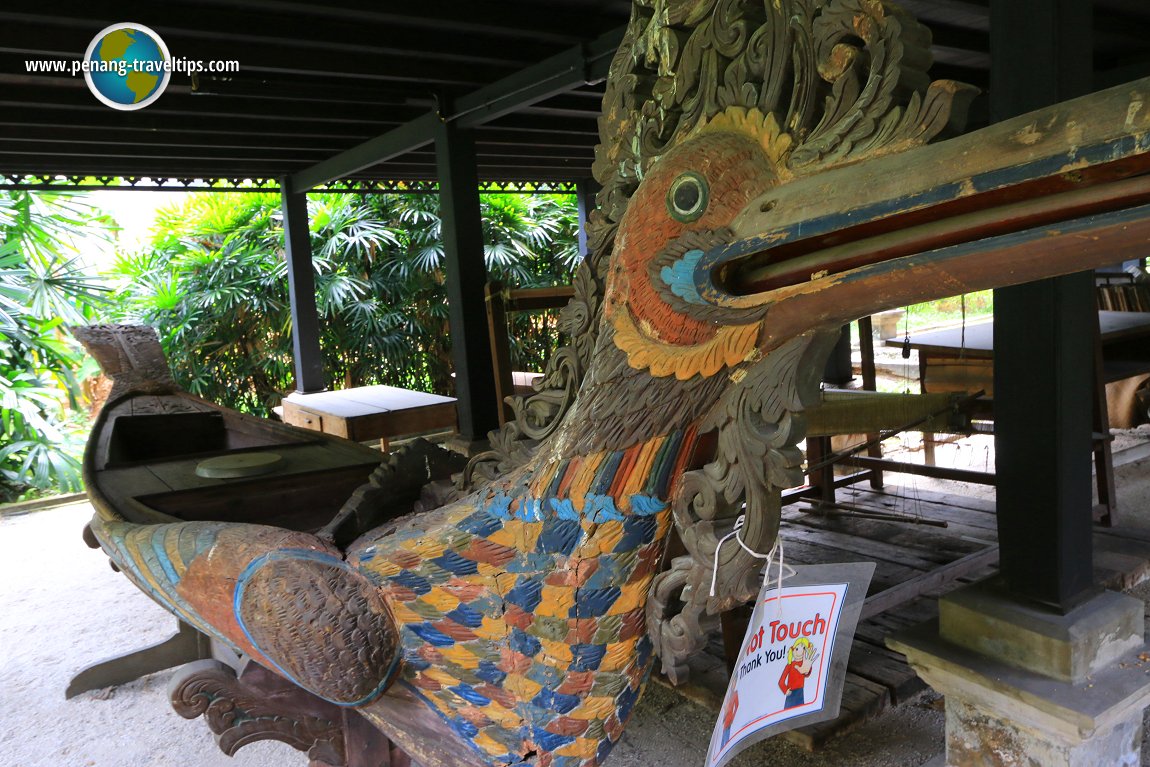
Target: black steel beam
{"type": "Point", "coordinates": [307, 357]}
{"type": "Point", "coordinates": [489, 135]}
{"type": "Point", "coordinates": [97, 118]}
{"type": "Point", "coordinates": [312, 36]}
{"type": "Point", "coordinates": [547, 125]}
{"type": "Point", "coordinates": [412, 135]}
{"type": "Point", "coordinates": [80, 166]}
{"type": "Point", "coordinates": [63, 136]}
{"type": "Point", "coordinates": [1043, 340]}
{"type": "Point", "coordinates": [230, 169]}
{"type": "Point", "coordinates": [522, 20]}
{"type": "Point", "coordinates": [466, 272]}
{"type": "Point", "coordinates": [566, 113]}
{"type": "Point", "coordinates": [179, 101]}
{"type": "Point", "coordinates": [500, 152]}
{"type": "Point", "coordinates": [109, 148]}
{"type": "Point", "coordinates": [557, 74]}
{"type": "Point", "coordinates": [318, 90]}
{"type": "Point", "coordinates": [967, 14]}
{"type": "Point", "coordinates": [35, 40]}
{"type": "Point", "coordinates": [962, 57]}
{"type": "Point", "coordinates": [128, 149]}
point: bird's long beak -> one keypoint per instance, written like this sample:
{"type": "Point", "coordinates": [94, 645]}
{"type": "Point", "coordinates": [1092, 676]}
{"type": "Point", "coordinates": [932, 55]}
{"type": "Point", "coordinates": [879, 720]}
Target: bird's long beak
{"type": "Point", "coordinates": [1053, 192]}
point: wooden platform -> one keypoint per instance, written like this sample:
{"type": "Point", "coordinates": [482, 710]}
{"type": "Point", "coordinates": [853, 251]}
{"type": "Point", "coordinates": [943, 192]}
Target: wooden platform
{"type": "Point", "coordinates": [915, 564]}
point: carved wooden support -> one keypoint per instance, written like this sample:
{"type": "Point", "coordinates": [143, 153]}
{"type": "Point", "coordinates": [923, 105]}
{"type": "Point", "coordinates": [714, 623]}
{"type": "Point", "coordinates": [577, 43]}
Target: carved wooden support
{"type": "Point", "coordinates": [392, 490]}
{"type": "Point", "coordinates": [259, 705]}
{"type": "Point", "coordinates": [186, 645]}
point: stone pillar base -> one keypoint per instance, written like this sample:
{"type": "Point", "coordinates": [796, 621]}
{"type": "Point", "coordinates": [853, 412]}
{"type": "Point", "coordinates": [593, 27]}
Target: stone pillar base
{"type": "Point", "coordinates": [977, 735]}
{"type": "Point", "coordinates": [1001, 711]}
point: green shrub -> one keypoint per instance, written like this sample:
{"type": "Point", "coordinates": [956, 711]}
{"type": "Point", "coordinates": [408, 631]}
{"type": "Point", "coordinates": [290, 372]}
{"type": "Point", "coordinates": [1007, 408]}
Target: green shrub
{"type": "Point", "coordinates": [43, 286]}
{"type": "Point", "coordinates": [213, 282]}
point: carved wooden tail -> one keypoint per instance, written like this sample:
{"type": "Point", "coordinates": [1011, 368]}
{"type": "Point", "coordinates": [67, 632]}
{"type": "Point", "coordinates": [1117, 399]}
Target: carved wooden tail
{"type": "Point", "coordinates": [130, 355]}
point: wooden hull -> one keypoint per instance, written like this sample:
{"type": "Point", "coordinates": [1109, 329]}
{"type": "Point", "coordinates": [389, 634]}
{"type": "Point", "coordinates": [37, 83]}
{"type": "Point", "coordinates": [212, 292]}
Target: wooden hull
{"type": "Point", "coordinates": [141, 464]}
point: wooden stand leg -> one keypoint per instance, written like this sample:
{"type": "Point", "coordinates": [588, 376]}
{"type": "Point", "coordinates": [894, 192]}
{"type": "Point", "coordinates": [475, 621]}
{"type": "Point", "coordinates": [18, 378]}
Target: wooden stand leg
{"type": "Point", "coordinates": [734, 623]}
{"type": "Point", "coordinates": [870, 383]}
{"type": "Point", "coordinates": [1106, 511]}
{"type": "Point", "coordinates": [185, 646]}
{"type": "Point", "coordinates": [927, 436]}
{"type": "Point", "coordinates": [822, 478]}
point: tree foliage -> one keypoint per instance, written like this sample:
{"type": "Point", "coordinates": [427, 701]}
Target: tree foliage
{"type": "Point", "coordinates": [213, 282]}
{"type": "Point", "coordinates": [43, 287]}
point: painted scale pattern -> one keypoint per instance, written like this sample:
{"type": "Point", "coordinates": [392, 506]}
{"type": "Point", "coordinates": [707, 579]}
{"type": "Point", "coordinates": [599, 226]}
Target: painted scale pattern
{"type": "Point", "coordinates": [523, 619]}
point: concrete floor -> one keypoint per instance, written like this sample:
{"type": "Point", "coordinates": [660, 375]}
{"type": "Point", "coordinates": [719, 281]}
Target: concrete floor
{"type": "Point", "coordinates": [62, 608]}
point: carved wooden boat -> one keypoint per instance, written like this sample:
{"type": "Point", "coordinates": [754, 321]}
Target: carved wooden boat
{"type": "Point", "coordinates": [156, 458]}
{"type": "Point", "coordinates": [157, 454]}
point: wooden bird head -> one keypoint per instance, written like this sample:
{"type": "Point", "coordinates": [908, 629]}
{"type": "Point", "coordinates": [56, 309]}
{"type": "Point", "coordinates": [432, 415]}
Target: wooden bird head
{"type": "Point", "coordinates": [684, 208]}
{"type": "Point", "coordinates": [712, 107]}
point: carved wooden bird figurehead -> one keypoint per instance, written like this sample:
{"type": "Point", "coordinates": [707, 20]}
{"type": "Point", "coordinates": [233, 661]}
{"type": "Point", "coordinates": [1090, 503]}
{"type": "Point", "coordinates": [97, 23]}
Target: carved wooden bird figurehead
{"type": "Point", "coordinates": [713, 108]}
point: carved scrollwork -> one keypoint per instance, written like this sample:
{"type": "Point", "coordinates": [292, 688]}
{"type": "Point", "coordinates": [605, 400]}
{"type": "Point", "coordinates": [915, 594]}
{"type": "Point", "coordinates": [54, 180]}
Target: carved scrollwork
{"type": "Point", "coordinates": [677, 623]}
{"type": "Point", "coordinates": [539, 415]}
{"type": "Point", "coordinates": [239, 715]}
{"type": "Point", "coordinates": [131, 355]}
{"type": "Point", "coordinates": [874, 57]}
{"type": "Point", "coordinates": [759, 424]}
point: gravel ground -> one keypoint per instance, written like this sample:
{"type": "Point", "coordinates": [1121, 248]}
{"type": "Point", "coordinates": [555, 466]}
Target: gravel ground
{"type": "Point", "coordinates": [62, 609]}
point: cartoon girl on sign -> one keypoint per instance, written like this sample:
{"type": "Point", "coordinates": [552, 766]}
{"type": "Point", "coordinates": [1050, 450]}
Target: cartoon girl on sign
{"type": "Point", "coordinates": [729, 716]}
{"type": "Point", "coordinates": [800, 663]}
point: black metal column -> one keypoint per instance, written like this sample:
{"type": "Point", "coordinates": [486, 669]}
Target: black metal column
{"type": "Point", "coordinates": [462, 228]}
{"type": "Point", "coordinates": [839, 370]}
{"type": "Point", "coordinates": [308, 358]}
{"type": "Point", "coordinates": [1043, 343]}
{"type": "Point", "coordinates": [585, 191]}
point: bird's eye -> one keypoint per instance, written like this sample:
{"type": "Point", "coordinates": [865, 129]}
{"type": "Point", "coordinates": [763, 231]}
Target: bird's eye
{"type": "Point", "coordinates": [687, 197]}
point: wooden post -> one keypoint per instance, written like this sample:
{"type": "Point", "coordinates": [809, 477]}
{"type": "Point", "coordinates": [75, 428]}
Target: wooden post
{"type": "Point", "coordinates": [462, 227]}
{"type": "Point", "coordinates": [1106, 512]}
{"type": "Point", "coordinates": [1042, 54]}
{"type": "Point", "coordinates": [500, 351]}
{"type": "Point", "coordinates": [307, 357]}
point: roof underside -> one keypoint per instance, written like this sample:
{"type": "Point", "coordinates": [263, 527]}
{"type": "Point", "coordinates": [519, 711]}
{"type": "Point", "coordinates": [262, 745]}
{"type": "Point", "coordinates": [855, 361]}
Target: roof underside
{"type": "Point", "coordinates": [316, 81]}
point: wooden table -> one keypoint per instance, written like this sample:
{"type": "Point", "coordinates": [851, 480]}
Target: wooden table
{"type": "Point", "coordinates": [953, 360]}
{"type": "Point", "coordinates": [958, 359]}
{"type": "Point", "coordinates": [370, 412]}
